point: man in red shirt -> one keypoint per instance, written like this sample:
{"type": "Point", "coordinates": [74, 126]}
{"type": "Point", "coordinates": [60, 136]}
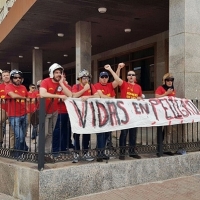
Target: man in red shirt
{"type": "Point", "coordinates": [166, 89]}
{"type": "Point", "coordinates": [16, 95]}
{"type": "Point", "coordinates": [51, 88]}
{"type": "Point", "coordinates": [105, 90]}
{"type": "Point", "coordinates": [62, 133]}
{"type": "Point", "coordinates": [84, 90]}
{"type": "Point", "coordinates": [33, 94]}
{"type": "Point", "coordinates": [129, 90]}
{"type": "Point", "coordinates": [4, 109]}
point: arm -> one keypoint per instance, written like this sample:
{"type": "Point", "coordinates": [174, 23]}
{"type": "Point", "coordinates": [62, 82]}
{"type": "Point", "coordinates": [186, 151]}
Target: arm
{"type": "Point", "coordinates": [15, 96]}
{"type": "Point", "coordinates": [66, 91]}
{"type": "Point", "coordinates": [169, 91]}
{"type": "Point", "coordinates": [95, 95]}
{"type": "Point", "coordinates": [45, 94]}
{"type": "Point", "coordinates": [118, 80]}
{"type": "Point", "coordinates": [79, 93]}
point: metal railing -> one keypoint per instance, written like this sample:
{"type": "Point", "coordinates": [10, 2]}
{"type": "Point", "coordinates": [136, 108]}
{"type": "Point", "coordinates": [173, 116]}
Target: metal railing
{"type": "Point", "coordinates": [151, 140]}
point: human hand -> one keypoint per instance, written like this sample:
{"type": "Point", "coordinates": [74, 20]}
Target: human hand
{"type": "Point", "coordinates": [86, 87]}
{"type": "Point", "coordinates": [107, 67]}
{"type": "Point", "coordinates": [121, 65]}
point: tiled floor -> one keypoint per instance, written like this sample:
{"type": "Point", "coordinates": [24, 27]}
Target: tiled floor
{"type": "Point", "coordinates": [184, 188]}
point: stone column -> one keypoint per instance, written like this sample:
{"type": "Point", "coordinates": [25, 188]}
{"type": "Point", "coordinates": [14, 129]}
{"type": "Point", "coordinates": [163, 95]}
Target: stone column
{"type": "Point", "coordinates": [184, 50]}
{"type": "Point", "coordinates": [83, 46]}
{"type": "Point", "coordinates": [37, 69]}
{"type": "Point", "coordinates": [14, 65]}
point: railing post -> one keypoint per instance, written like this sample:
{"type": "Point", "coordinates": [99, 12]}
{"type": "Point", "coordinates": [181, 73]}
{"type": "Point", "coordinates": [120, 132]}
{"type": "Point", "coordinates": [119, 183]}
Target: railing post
{"type": "Point", "coordinates": [159, 141]}
{"type": "Point", "coordinates": [41, 140]}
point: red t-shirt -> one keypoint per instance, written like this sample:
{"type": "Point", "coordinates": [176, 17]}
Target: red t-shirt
{"type": "Point", "coordinates": [33, 105]}
{"type": "Point", "coordinates": [160, 91]}
{"type": "Point", "coordinates": [51, 87]}
{"type": "Point", "coordinates": [79, 87]}
{"type": "Point", "coordinates": [61, 105]}
{"type": "Point", "coordinates": [106, 89]}
{"type": "Point", "coordinates": [4, 105]}
{"type": "Point", "coordinates": [16, 107]}
{"type": "Point", "coordinates": [130, 91]}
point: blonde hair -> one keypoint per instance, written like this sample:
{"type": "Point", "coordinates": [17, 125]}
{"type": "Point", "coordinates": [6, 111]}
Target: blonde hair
{"type": "Point", "coordinates": [166, 76]}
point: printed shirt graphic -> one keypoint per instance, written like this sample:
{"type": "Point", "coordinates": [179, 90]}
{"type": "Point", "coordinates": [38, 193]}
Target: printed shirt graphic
{"type": "Point", "coordinates": [16, 107]}
{"type": "Point", "coordinates": [130, 91]}
{"type": "Point", "coordinates": [33, 105]}
{"type": "Point", "coordinates": [106, 89]}
{"type": "Point", "coordinates": [61, 105]}
{"type": "Point", "coordinates": [78, 87]}
{"type": "Point", "coordinates": [4, 104]}
{"type": "Point", "coordinates": [160, 91]}
{"type": "Point", "coordinates": [51, 87]}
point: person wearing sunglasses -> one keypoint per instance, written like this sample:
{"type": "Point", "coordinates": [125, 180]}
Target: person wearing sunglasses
{"type": "Point", "coordinates": [16, 94]}
{"type": "Point", "coordinates": [33, 94]}
{"type": "Point", "coordinates": [166, 89]}
{"type": "Point", "coordinates": [105, 90]}
{"type": "Point", "coordinates": [84, 90]}
{"type": "Point", "coordinates": [4, 110]}
{"type": "Point", "coordinates": [129, 90]}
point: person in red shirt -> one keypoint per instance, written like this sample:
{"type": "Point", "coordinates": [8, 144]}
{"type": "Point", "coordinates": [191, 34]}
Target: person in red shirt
{"type": "Point", "coordinates": [62, 133]}
{"type": "Point", "coordinates": [16, 95]}
{"type": "Point", "coordinates": [84, 90]}
{"type": "Point", "coordinates": [33, 94]}
{"type": "Point", "coordinates": [51, 88]}
{"type": "Point", "coordinates": [4, 109]}
{"type": "Point", "coordinates": [129, 90]}
{"type": "Point", "coordinates": [105, 90]}
{"type": "Point", "coordinates": [166, 89]}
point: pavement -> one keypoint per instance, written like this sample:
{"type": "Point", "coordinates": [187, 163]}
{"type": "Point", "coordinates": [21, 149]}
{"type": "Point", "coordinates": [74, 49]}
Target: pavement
{"type": "Point", "coordinates": [6, 197]}
{"type": "Point", "coordinates": [184, 188]}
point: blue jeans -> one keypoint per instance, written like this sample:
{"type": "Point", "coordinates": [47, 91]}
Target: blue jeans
{"type": "Point", "coordinates": [132, 140]}
{"type": "Point", "coordinates": [19, 125]}
{"type": "Point", "coordinates": [34, 131]}
{"type": "Point", "coordinates": [61, 133]}
{"type": "Point", "coordinates": [85, 142]}
{"type": "Point", "coordinates": [101, 141]}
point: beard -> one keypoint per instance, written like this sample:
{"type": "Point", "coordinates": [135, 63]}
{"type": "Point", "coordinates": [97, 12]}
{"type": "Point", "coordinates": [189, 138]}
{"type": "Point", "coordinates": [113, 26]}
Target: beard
{"type": "Point", "coordinates": [57, 79]}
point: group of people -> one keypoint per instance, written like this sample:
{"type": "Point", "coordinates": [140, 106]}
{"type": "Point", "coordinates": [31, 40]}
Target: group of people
{"type": "Point", "coordinates": [16, 102]}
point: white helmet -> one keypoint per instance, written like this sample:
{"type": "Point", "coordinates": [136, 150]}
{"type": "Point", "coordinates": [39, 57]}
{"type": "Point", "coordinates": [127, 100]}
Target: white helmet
{"type": "Point", "coordinates": [53, 67]}
{"type": "Point", "coordinates": [82, 73]}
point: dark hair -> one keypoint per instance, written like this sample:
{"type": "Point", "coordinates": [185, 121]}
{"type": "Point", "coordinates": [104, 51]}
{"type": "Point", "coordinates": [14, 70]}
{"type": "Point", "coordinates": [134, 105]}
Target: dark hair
{"type": "Point", "coordinates": [32, 85]}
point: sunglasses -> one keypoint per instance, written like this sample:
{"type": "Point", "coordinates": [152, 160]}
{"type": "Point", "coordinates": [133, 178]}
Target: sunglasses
{"type": "Point", "coordinates": [104, 76]}
{"type": "Point", "coordinates": [131, 75]}
{"type": "Point", "coordinates": [169, 79]}
{"type": "Point", "coordinates": [17, 77]}
{"type": "Point", "coordinates": [33, 87]}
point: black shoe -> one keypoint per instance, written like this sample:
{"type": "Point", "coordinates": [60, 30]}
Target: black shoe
{"type": "Point", "coordinates": [99, 159]}
{"type": "Point", "coordinates": [168, 153]}
{"type": "Point", "coordinates": [135, 156]}
{"type": "Point", "coordinates": [105, 157]}
{"type": "Point", "coordinates": [122, 157]}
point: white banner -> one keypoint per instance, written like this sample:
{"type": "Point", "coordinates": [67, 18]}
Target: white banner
{"type": "Point", "coordinates": [103, 115]}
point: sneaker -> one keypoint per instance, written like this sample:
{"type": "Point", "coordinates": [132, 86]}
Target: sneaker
{"type": "Point", "coordinates": [88, 157]}
{"type": "Point", "coordinates": [135, 156]}
{"type": "Point", "coordinates": [76, 157]}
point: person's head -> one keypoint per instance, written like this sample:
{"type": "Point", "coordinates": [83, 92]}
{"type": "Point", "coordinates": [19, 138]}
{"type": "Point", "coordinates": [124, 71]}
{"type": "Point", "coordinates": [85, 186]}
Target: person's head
{"type": "Point", "coordinates": [32, 87]}
{"type": "Point", "coordinates": [84, 77]}
{"type": "Point", "coordinates": [168, 80]}
{"type": "Point", "coordinates": [55, 72]}
{"type": "Point", "coordinates": [103, 78]}
{"type": "Point", "coordinates": [38, 84]}
{"type": "Point", "coordinates": [16, 77]}
{"type": "Point", "coordinates": [6, 76]}
{"type": "Point", "coordinates": [131, 76]}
